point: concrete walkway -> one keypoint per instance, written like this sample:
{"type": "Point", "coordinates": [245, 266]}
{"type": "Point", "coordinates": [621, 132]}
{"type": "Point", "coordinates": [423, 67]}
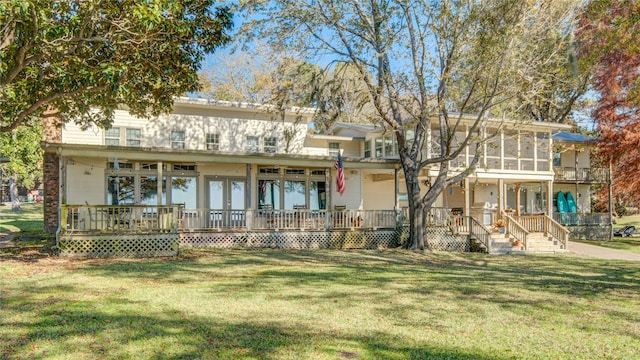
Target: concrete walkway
{"type": "Point", "coordinates": [600, 252]}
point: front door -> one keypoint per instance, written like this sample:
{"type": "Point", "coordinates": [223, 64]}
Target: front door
{"type": "Point", "coordinates": [226, 201]}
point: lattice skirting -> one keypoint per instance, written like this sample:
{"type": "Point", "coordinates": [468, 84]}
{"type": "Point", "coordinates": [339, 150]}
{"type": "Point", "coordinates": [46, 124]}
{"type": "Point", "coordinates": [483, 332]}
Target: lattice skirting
{"type": "Point", "coordinates": [440, 238]}
{"type": "Point", "coordinates": [355, 239]}
{"type": "Point", "coordinates": [119, 245]}
{"type": "Point", "coordinates": [590, 232]}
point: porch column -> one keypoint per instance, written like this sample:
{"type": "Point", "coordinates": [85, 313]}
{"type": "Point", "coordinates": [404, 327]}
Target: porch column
{"type": "Point", "coordinates": [517, 199]}
{"type": "Point", "coordinates": [328, 198]}
{"type": "Point", "coordinates": [159, 184]}
{"type": "Point", "coordinates": [501, 197]}
{"type": "Point", "coordinates": [467, 198]}
{"type": "Point", "coordinates": [247, 200]}
{"type": "Point", "coordinates": [550, 198]}
{"type": "Point", "coordinates": [397, 190]}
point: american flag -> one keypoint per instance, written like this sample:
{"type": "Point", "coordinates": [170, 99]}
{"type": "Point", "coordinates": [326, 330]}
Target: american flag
{"type": "Point", "coordinates": [340, 177]}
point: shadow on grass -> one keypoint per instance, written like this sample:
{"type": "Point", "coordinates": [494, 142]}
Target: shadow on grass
{"type": "Point", "coordinates": [60, 327]}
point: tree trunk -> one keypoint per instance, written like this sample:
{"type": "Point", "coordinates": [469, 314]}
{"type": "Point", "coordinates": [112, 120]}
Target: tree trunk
{"type": "Point", "coordinates": [13, 191]}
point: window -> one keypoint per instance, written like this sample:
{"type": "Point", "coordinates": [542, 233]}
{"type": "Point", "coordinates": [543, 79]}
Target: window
{"type": "Point", "coordinates": [378, 147]}
{"type": "Point", "coordinates": [149, 190]}
{"type": "Point", "coordinates": [252, 144]}
{"type": "Point", "coordinates": [184, 167]}
{"type": "Point", "coordinates": [367, 149]}
{"type": "Point", "coordinates": [177, 139]}
{"type": "Point", "coordinates": [184, 190]}
{"type": "Point", "coordinates": [334, 149]}
{"type": "Point", "coordinates": [133, 137]}
{"type": "Point", "coordinates": [121, 190]}
{"type": "Point", "coordinates": [270, 144]}
{"type": "Point", "coordinates": [121, 165]}
{"type": "Point", "coordinates": [213, 141]}
{"type": "Point", "coordinates": [388, 145]}
{"type": "Point", "coordinates": [557, 159]}
{"type": "Point", "coordinates": [112, 136]}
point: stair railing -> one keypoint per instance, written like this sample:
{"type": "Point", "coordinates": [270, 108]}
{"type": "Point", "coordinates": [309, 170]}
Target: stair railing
{"type": "Point", "coordinates": [480, 232]}
{"type": "Point", "coordinates": [516, 230]}
{"type": "Point", "coordinates": [556, 230]}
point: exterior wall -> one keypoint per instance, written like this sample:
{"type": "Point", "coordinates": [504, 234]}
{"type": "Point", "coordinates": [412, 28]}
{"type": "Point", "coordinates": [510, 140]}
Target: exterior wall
{"type": "Point", "coordinates": [378, 195]}
{"type": "Point", "coordinates": [51, 189]}
{"type": "Point", "coordinates": [352, 197]}
{"type": "Point", "coordinates": [232, 129]}
{"type": "Point", "coordinates": [582, 195]}
{"type": "Point", "coordinates": [85, 182]}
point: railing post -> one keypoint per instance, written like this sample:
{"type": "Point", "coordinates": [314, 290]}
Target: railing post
{"type": "Point", "coordinates": [63, 217]}
{"type": "Point", "coordinates": [248, 218]}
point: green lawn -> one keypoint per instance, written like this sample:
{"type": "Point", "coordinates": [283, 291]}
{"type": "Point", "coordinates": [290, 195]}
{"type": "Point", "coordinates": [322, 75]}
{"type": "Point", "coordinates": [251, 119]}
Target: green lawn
{"type": "Point", "coordinates": [277, 304]}
{"type": "Point", "coordinates": [29, 219]}
{"type": "Point", "coordinates": [631, 244]}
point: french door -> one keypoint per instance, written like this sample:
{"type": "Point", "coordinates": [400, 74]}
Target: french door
{"type": "Point", "coordinates": [226, 200]}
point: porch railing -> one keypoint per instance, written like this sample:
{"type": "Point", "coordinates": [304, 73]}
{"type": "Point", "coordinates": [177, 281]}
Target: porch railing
{"type": "Point", "coordinates": [112, 218]}
{"type": "Point", "coordinates": [480, 232]}
{"type": "Point", "coordinates": [556, 230]}
{"type": "Point", "coordinates": [582, 218]}
{"type": "Point", "coordinates": [299, 219]}
{"type": "Point", "coordinates": [600, 175]}
{"type": "Point", "coordinates": [137, 218]}
{"type": "Point", "coordinates": [517, 230]}
{"type": "Point", "coordinates": [546, 225]}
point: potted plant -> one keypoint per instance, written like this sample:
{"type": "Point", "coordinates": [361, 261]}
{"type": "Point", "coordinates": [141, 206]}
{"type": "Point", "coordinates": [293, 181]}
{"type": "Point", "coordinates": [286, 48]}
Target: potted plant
{"type": "Point", "coordinates": [500, 225]}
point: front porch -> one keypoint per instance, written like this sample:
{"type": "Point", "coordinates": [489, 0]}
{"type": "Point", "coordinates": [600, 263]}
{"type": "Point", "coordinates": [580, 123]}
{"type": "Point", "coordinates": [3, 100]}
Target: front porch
{"type": "Point", "coordinates": [135, 230]}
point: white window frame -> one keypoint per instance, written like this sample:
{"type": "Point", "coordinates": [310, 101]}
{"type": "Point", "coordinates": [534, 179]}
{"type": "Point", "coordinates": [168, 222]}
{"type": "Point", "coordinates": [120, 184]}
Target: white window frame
{"type": "Point", "coordinates": [111, 138]}
{"type": "Point", "coordinates": [252, 144]}
{"type": "Point", "coordinates": [213, 141]}
{"type": "Point", "coordinates": [178, 144]}
{"type": "Point", "coordinates": [133, 141]}
{"type": "Point", "coordinates": [270, 148]}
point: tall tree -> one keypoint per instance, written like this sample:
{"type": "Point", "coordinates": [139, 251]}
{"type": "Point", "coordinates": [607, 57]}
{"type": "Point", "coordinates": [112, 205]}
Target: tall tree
{"type": "Point", "coordinates": [608, 36]}
{"type": "Point", "coordinates": [264, 75]}
{"type": "Point", "coordinates": [22, 147]}
{"type": "Point", "coordinates": [74, 56]}
{"type": "Point", "coordinates": [422, 61]}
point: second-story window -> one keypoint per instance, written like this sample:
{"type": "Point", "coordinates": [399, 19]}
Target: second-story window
{"type": "Point", "coordinates": [133, 137]}
{"type": "Point", "coordinates": [367, 149]}
{"type": "Point", "coordinates": [177, 139]}
{"type": "Point", "coordinates": [213, 141]}
{"type": "Point", "coordinates": [378, 147]}
{"type": "Point", "coordinates": [557, 159]}
{"type": "Point", "coordinates": [253, 144]}
{"type": "Point", "coordinates": [388, 146]}
{"type": "Point", "coordinates": [112, 136]}
{"type": "Point", "coordinates": [334, 148]}
{"type": "Point", "coordinates": [270, 144]}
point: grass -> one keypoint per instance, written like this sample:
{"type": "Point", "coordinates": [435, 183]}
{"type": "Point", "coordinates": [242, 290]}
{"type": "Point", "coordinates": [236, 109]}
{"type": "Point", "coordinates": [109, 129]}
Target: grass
{"type": "Point", "coordinates": [27, 220]}
{"type": "Point", "coordinates": [631, 244]}
{"type": "Point", "coordinates": [277, 304]}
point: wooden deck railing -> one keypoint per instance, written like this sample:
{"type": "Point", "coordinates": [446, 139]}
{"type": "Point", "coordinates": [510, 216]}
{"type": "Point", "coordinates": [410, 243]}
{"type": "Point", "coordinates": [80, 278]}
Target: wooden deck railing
{"type": "Point", "coordinates": [517, 230]}
{"type": "Point", "coordinates": [558, 231]}
{"type": "Point", "coordinates": [481, 232]}
{"type": "Point", "coordinates": [598, 175]}
{"type": "Point", "coordinates": [137, 218]}
{"type": "Point", "coordinates": [112, 218]}
{"type": "Point", "coordinates": [546, 225]}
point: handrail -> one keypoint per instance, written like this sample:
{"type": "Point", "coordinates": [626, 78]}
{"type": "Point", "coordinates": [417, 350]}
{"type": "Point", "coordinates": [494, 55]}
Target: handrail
{"type": "Point", "coordinates": [480, 232]}
{"type": "Point", "coordinates": [118, 218]}
{"type": "Point", "coordinates": [516, 230]}
{"type": "Point", "coordinates": [556, 230]}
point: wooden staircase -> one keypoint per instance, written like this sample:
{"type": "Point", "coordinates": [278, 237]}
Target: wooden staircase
{"type": "Point", "coordinates": [537, 236]}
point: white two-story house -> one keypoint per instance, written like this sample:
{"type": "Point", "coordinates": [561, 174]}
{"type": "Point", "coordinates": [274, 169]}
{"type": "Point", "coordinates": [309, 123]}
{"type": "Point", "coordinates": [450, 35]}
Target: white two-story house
{"type": "Point", "coordinates": [230, 174]}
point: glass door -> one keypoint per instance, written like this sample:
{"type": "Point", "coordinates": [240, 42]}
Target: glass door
{"type": "Point", "coordinates": [226, 202]}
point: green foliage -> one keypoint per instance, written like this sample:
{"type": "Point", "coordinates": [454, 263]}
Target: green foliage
{"type": "Point", "coordinates": [22, 147]}
{"type": "Point", "coordinates": [74, 56]}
